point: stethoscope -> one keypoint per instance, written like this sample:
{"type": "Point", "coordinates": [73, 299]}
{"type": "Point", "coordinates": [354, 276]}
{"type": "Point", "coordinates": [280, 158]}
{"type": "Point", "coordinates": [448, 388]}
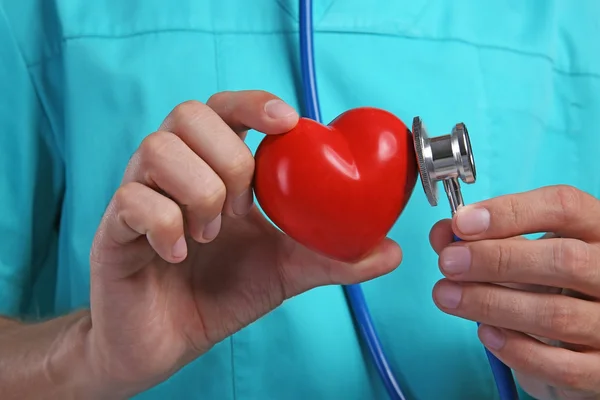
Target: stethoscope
{"type": "Point", "coordinates": [447, 158]}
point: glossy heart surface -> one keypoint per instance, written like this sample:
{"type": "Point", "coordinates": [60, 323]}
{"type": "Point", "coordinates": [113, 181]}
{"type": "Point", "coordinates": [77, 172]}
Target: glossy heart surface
{"type": "Point", "coordinates": [337, 189]}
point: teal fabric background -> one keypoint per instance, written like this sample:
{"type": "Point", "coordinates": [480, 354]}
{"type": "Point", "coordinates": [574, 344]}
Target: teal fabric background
{"type": "Point", "coordinates": [83, 82]}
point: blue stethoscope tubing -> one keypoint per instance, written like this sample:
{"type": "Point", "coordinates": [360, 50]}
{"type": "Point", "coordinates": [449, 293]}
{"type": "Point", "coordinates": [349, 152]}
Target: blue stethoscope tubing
{"type": "Point", "coordinates": [505, 382]}
{"type": "Point", "coordinates": [502, 374]}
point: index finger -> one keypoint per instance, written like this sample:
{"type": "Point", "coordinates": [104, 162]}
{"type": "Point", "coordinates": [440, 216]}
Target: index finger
{"type": "Point", "coordinates": [254, 109]}
{"type": "Point", "coordinates": [561, 209]}
{"type": "Point", "coordinates": [239, 111]}
{"type": "Point", "coordinates": [213, 130]}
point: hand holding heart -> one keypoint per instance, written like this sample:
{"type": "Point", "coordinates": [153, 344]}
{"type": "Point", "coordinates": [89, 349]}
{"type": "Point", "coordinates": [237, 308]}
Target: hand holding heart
{"type": "Point", "coordinates": [183, 255]}
{"type": "Point", "coordinates": [538, 301]}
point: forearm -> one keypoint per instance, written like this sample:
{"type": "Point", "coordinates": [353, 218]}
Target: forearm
{"type": "Point", "coordinates": [45, 360]}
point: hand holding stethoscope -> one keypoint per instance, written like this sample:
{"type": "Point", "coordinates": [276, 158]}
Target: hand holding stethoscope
{"type": "Point", "coordinates": [514, 286]}
{"type": "Point", "coordinates": [538, 301]}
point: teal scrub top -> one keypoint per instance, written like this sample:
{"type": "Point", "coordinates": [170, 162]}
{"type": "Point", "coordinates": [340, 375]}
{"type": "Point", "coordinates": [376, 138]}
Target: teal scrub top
{"type": "Point", "coordinates": [82, 82]}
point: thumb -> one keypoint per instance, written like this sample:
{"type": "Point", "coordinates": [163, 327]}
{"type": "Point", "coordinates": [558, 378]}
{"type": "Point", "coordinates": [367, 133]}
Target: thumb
{"type": "Point", "coordinates": [305, 269]}
{"type": "Point", "coordinates": [254, 109]}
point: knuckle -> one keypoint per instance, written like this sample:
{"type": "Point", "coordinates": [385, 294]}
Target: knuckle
{"type": "Point", "coordinates": [571, 260]}
{"type": "Point", "coordinates": [489, 304]}
{"type": "Point", "coordinates": [241, 167]}
{"type": "Point", "coordinates": [154, 147]}
{"type": "Point", "coordinates": [569, 199]}
{"type": "Point", "coordinates": [125, 195]}
{"type": "Point", "coordinates": [561, 320]}
{"type": "Point", "coordinates": [553, 317]}
{"type": "Point", "coordinates": [211, 195]}
{"type": "Point", "coordinates": [218, 98]}
{"type": "Point", "coordinates": [188, 110]}
{"type": "Point", "coordinates": [168, 219]}
{"type": "Point", "coordinates": [501, 262]}
{"type": "Point", "coordinates": [517, 214]}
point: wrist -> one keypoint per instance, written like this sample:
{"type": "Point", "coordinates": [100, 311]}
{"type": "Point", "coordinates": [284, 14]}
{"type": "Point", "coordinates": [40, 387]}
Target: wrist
{"type": "Point", "coordinates": [47, 360]}
{"type": "Point", "coordinates": [69, 366]}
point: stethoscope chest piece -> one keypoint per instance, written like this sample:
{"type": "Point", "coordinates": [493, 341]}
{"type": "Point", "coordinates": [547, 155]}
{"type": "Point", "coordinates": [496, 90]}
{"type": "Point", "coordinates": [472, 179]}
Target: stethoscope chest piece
{"type": "Point", "coordinates": [445, 158]}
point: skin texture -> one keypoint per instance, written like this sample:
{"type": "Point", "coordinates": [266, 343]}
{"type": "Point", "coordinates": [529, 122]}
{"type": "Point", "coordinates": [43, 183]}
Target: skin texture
{"type": "Point", "coordinates": [181, 260]}
{"type": "Point", "coordinates": [537, 300]}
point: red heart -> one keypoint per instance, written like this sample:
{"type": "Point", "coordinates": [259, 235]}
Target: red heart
{"type": "Point", "coordinates": [337, 189]}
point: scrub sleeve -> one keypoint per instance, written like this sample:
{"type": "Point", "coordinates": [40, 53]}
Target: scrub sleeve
{"type": "Point", "coordinates": [31, 182]}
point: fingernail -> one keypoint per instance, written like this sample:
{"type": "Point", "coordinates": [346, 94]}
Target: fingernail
{"type": "Point", "coordinates": [492, 337]}
{"type": "Point", "coordinates": [455, 259]}
{"type": "Point", "coordinates": [242, 204]}
{"type": "Point", "coordinates": [472, 220]}
{"type": "Point", "coordinates": [211, 230]}
{"type": "Point", "coordinates": [179, 249]}
{"type": "Point", "coordinates": [448, 295]}
{"type": "Point", "coordinates": [278, 109]}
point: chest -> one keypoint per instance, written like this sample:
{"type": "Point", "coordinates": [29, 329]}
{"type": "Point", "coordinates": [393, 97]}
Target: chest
{"type": "Point", "coordinates": [526, 86]}
{"type": "Point", "coordinates": [526, 100]}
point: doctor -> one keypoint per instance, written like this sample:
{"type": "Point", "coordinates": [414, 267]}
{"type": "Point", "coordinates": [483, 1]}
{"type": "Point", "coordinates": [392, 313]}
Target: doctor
{"type": "Point", "coordinates": [133, 262]}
